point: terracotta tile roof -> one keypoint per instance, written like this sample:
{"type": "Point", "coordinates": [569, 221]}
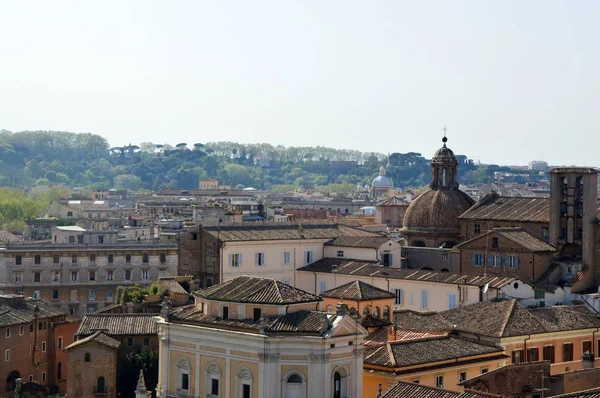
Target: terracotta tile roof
{"type": "Point", "coordinates": [593, 393]}
{"type": "Point", "coordinates": [357, 291]}
{"type": "Point", "coordinates": [380, 336]}
{"type": "Point", "coordinates": [282, 231]}
{"type": "Point", "coordinates": [17, 310]}
{"type": "Point", "coordinates": [566, 317]}
{"type": "Point", "coordinates": [372, 269]}
{"type": "Point", "coordinates": [369, 242]}
{"type": "Point", "coordinates": [118, 324]}
{"type": "Point", "coordinates": [299, 322]}
{"type": "Point", "coordinates": [247, 289]}
{"type": "Point", "coordinates": [393, 201]}
{"type": "Point", "coordinates": [370, 321]}
{"type": "Point", "coordinates": [495, 319]}
{"type": "Point", "coordinates": [97, 337]}
{"type": "Point", "coordinates": [411, 390]}
{"type": "Point", "coordinates": [573, 170]}
{"type": "Point", "coordinates": [171, 285]}
{"type": "Point", "coordinates": [424, 351]}
{"type": "Point", "coordinates": [502, 208]}
{"type": "Point", "coordinates": [421, 321]}
{"type": "Point", "coordinates": [519, 236]}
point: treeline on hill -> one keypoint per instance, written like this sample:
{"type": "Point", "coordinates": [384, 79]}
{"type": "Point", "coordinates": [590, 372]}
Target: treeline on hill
{"type": "Point", "coordinates": [31, 158]}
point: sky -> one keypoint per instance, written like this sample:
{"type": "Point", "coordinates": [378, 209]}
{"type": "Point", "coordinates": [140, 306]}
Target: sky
{"type": "Point", "coordinates": [513, 81]}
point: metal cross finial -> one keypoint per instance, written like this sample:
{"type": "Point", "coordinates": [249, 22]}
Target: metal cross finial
{"type": "Point", "coordinates": [445, 129]}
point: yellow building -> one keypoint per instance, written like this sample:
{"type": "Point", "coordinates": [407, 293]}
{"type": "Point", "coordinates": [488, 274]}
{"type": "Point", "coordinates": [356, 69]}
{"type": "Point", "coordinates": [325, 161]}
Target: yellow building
{"type": "Point", "coordinates": [256, 337]}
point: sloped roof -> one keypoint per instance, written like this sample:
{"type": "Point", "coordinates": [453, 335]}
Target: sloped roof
{"type": "Point", "coordinates": [17, 310]}
{"type": "Point", "coordinates": [372, 269]}
{"type": "Point", "coordinates": [369, 242]}
{"type": "Point", "coordinates": [495, 319]}
{"type": "Point", "coordinates": [118, 324]}
{"type": "Point", "coordinates": [282, 231]}
{"type": "Point", "coordinates": [358, 291]}
{"type": "Point", "coordinates": [302, 322]}
{"type": "Point", "coordinates": [503, 208]}
{"type": "Point", "coordinates": [565, 317]}
{"type": "Point", "coordinates": [380, 336]}
{"type": "Point", "coordinates": [393, 201]}
{"type": "Point", "coordinates": [421, 321]}
{"type": "Point", "coordinates": [99, 338]}
{"type": "Point", "coordinates": [593, 393]}
{"type": "Point", "coordinates": [516, 235]}
{"type": "Point", "coordinates": [424, 351]}
{"type": "Point", "coordinates": [248, 289]}
{"type": "Point", "coordinates": [370, 321]}
{"type": "Point", "coordinates": [171, 285]}
{"type": "Point", "coordinates": [411, 390]}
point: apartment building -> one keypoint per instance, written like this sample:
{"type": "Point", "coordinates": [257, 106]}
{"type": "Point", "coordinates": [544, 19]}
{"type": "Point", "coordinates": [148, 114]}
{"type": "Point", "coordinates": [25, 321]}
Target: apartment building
{"type": "Point", "coordinates": [82, 275]}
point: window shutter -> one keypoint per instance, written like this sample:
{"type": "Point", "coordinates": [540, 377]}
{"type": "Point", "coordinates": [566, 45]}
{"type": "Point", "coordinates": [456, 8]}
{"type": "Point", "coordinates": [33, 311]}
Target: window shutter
{"type": "Point", "coordinates": [473, 259]}
{"type": "Point", "coordinates": [391, 262]}
{"type": "Point", "coordinates": [516, 261]}
{"type": "Point", "coordinates": [490, 260]}
{"type": "Point", "coordinates": [239, 259]}
{"type": "Point", "coordinates": [506, 261]}
{"type": "Point", "coordinates": [256, 256]}
{"type": "Point", "coordinates": [230, 259]}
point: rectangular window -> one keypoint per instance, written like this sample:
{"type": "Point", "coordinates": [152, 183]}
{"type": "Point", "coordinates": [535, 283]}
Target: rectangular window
{"type": "Point", "coordinates": [545, 232]}
{"type": "Point", "coordinates": [532, 354]}
{"type": "Point", "coordinates": [74, 259]}
{"type": "Point", "coordinates": [260, 259]}
{"type": "Point", "coordinates": [92, 258]}
{"type": "Point", "coordinates": [386, 260]}
{"type": "Point", "coordinates": [145, 258]}
{"type": "Point", "coordinates": [476, 229]}
{"type": "Point", "coordinates": [462, 376]}
{"type": "Point", "coordinates": [286, 257]}
{"type": "Point", "coordinates": [59, 343]}
{"type": "Point", "coordinates": [477, 259]}
{"type": "Point", "coordinates": [92, 295]}
{"type": "Point", "coordinates": [55, 258]}
{"type": "Point", "coordinates": [6, 355]}
{"type": "Point", "coordinates": [36, 294]}
{"type": "Point", "coordinates": [214, 387]}
{"type": "Point", "coordinates": [8, 333]}
{"type": "Point", "coordinates": [37, 276]}
{"type": "Point", "coordinates": [340, 253]}
{"type": "Point", "coordinates": [74, 276]}
{"type": "Point", "coordinates": [37, 259]}
{"type": "Point", "coordinates": [439, 381]}
{"type": "Point", "coordinates": [30, 378]}
{"type": "Point", "coordinates": [92, 275]}
{"type": "Point", "coordinates": [399, 300]}
{"type": "Point", "coordinates": [146, 341]}
{"type": "Point", "coordinates": [323, 286]}
{"type": "Point", "coordinates": [145, 274]}
{"type": "Point", "coordinates": [586, 346]}
{"type": "Point", "coordinates": [17, 276]}
{"type": "Point", "coordinates": [309, 257]}
{"type": "Point", "coordinates": [539, 294]}
{"type": "Point", "coordinates": [109, 275]}
{"type": "Point", "coordinates": [127, 275]}
{"type": "Point", "coordinates": [517, 356]}
{"type": "Point", "coordinates": [128, 258]}
{"type": "Point", "coordinates": [21, 330]}
{"type": "Point", "coordinates": [56, 276]}
{"type": "Point", "coordinates": [163, 258]}
{"type": "Point", "coordinates": [109, 295]}
{"type": "Point", "coordinates": [567, 352]}
{"type": "Point", "coordinates": [246, 391]}
{"type": "Point", "coordinates": [55, 294]}
{"type": "Point", "coordinates": [225, 312]}
{"type": "Point", "coordinates": [18, 259]}
{"type": "Point", "coordinates": [424, 300]}
{"type": "Point", "coordinates": [43, 346]}
{"type": "Point", "coordinates": [43, 377]}
{"type": "Point", "coordinates": [451, 301]}
{"type": "Point", "coordinates": [235, 259]}
{"type": "Point", "coordinates": [110, 258]}
{"type": "Point", "coordinates": [549, 353]}
{"type": "Point", "coordinates": [511, 261]}
{"type": "Point", "coordinates": [185, 381]}
{"type": "Point", "coordinates": [494, 260]}
{"type": "Point", "coordinates": [256, 315]}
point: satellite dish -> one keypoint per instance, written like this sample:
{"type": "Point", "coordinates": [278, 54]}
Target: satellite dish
{"type": "Point", "coordinates": [485, 287]}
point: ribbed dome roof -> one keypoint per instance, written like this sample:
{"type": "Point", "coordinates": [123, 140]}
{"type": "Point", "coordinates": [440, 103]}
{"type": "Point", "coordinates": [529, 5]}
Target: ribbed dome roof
{"type": "Point", "coordinates": [382, 181]}
{"type": "Point", "coordinates": [437, 209]}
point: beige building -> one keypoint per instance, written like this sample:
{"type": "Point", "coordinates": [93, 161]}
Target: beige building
{"type": "Point", "coordinates": [83, 277]}
{"type": "Point", "coordinates": [258, 338]}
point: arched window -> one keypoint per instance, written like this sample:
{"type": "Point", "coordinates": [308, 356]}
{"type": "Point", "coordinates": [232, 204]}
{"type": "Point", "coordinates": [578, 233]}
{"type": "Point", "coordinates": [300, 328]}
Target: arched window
{"type": "Point", "coordinates": [293, 385]}
{"type": "Point", "coordinates": [87, 357]}
{"type": "Point", "coordinates": [59, 371]}
{"type": "Point", "coordinates": [213, 380]}
{"type": "Point", "coordinates": [386, 312]}
{"type": "Point", "coordinates": [340, 382]}
{"type": "Point", "coordinates": [11, 380]}
{"type": "Point", "coordinates": [184, 368]}
{"type": "Point", "coordinates": [244, 383]}
{"type": "Point", "coordinates": [376, 312]}
{"type": "Point", "coordinates": [366, 311]}
{"type": "Point", "coordinates": [101, 384]}
{"type": "Point", "coordinates": [330, 308]}
{"type": "Point", "coordinates": [418, 243]}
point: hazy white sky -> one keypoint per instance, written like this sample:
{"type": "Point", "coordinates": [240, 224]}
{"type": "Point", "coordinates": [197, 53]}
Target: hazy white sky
{"type": "Point", "coordinates": [512, 80]}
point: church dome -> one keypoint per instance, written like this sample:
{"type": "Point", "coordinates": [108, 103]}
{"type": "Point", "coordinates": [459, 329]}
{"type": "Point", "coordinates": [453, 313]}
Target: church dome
{"type": "Point", "coordinates": [381, 180]}
{"type": "Point", "coordinates": [437, 209]}
{"type": "Point", "coordinates": [444, 155]}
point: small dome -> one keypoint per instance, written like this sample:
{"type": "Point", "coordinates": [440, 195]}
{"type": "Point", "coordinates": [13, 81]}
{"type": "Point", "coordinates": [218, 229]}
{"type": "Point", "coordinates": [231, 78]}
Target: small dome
{"type": "Point", "coordinates": [437, 209]}
{"type": "Point", "coordinates": [382, 181]}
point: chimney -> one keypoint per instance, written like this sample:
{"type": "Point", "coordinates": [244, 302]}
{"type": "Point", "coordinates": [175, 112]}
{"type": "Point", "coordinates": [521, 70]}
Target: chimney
{"type": "Point", "coordinates": [391, 333]}
{"type": "Point", "coordinates": [379, 391]}
{"type": "Point", "coordinates": [587, 360]}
